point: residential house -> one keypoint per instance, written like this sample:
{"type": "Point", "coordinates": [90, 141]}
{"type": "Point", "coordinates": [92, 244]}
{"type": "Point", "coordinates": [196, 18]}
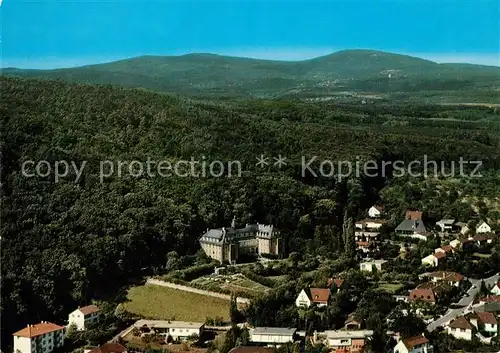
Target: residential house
{"type": "Point", "coordinates": [447, 249]}
{"type": "Point", "coordinates": [413, 215]}
{"type": "Point", "coordinates": [375, 211]}
{"type": "Point", "coordinates": [369, 224]}
{"type": "Point", "coordinates": [456, 244]}
{"type": "Point", "coordinates": [434, 259]}
{"type": "Point", "coordinates": [348, 341]}
{"type": "Point", "coordinates": [483, 227]}
{"type": "Point", "coordinates": [310, 296]}
{"type": "Point", "coordinates": [465, 229]}
{"type": "Point", "coordinates": [450, 278]}
{"type": "Point", "coordinates": [464, 327]}
{"type": "Point", "coordinates": [368, 266]}
{"type": "Point", "coordinates": [490, 303]}
{"type": "Point", "coordinates": [412, 229]}
{"type": "Point", "coordinates": [416, 344]}
{"type": "Point", "coordinates": [496, 289]}
{"type": "Point", "coordinates": [482, 239]}
{"type": "Point", "coordinates": [272, 335]}
{"type": "Point", "coordinates": [335, 284]}
{"type": "Point", "coordinates": [43, 337]}
{"type": "Point", "coordinates": [352, 323]}
{"type": "Point", "coordinates": [178, 330]}
{"type": "Point", "coordinates": [109, 347]}
{"type": "Point", "coordinates": [446, 225]}
{"type": "Point", "coordinates": [485, 322]}
{"type": "Point", "coordinates": [460, 328]}
{"type": "Point", "coordinates": [83, 316]}
{"type": "Point", "coordinates": [423, 294]}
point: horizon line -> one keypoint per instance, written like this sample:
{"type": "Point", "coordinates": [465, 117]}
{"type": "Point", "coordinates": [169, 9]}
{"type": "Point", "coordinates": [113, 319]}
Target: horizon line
{"type": "Point", "coordinates": [283, 54]}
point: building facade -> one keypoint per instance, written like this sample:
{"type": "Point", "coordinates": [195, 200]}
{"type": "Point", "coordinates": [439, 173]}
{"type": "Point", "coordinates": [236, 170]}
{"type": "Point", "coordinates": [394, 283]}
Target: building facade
{"type": "Point", "coordinates": [40, 338]}
{"type": "Point", "coordinates": [84, 316]}
{"type": "Point", "coordinates": [225, 244]}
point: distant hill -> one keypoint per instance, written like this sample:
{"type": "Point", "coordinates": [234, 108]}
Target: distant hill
{"type": "Point", "coordinates": [344, 73]}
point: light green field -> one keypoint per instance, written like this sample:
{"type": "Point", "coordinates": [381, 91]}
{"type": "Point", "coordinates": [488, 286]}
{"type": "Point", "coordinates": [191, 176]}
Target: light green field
{"type": "Point", "coordinates": [390, 287]}
{"type": "Point", "coordinates": [164, 303]}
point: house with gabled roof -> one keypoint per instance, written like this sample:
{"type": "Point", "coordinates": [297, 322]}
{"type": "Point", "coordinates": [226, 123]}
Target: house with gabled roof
{"type": "Point", "coordinates": [460, 328]}
{"type": "Point", "coordinates": [43, 337]}
{"type": "Point", "coordinates": [83, 316]}
{"type": "Point", "coordinates": [412, 229]}
{"type": "Point", "coordinates": [415, 344]}
{"type": "Point", "coordinates": [335, 284]}
{"type": "Point", "coordinates": [313, 296]}
{"type": "Point", "coordinates": [450, 278]}
{"type": "Point", "coordinates": [483, 227]}
{"type": "Point", "coordinates": [423, 294]}
{"type": "Point", "coordinates": [434, 259]}
{"type": "Point", "coordinates": [375, 211]}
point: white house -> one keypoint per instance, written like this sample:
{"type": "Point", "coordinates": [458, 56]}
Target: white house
{"type": "Point", "coordinates": [445, 225]}
{"type": "Point", "coordinates": [43, 337]}
{"type": "Point", "coordinates": [416, 344]}
{"type": "Point", "coordinates": [348, 340]}
{"type": "Point", "coordinates": [368, 266]}
{"type": "Point", "coordinates": [496, 289]}
{"type": "Point", "coordinates": [433, 259]}
{"type": "Point", "coordinates": [483, 227]}
{"type": "Point", "coordinates": [83, 316]}
{"type": "Point", "coordinates": [375, 211]}
{"type": "Point", "coordinates": [310, 296]}
{"type": "Point", "coordinates": [175, 329]}
{"type": "Point", "coordinates": [460, 328]}
{"type": "Point", "coordinates": [484, 322]}
{"type": "Point", "coordinates": [272, 335]}
{"type": "Point", "coordinates": [455, 244]}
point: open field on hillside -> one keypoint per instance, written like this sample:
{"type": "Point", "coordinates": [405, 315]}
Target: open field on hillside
{"type": "Point", "coordinates": [236, 283]}
{"type": "Point", "coordinates": [156, 302]}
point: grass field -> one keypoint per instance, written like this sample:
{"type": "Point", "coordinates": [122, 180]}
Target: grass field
{"type": "Point", "coordinates": [158, 302]}
{"type": "Point", "coordinates": [390, 287]}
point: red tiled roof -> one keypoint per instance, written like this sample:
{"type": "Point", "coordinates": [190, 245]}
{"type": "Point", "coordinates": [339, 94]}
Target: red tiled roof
{"type": "Point", "coordinates": [414, 215]}
{"type": "Point", "coordinates": [109, 348]}
{"type": "Point", "coordinates": [447, 276]}
{"type": "Point", "coordinates": [337, 281]}
{"type": "Point", "coordinates": [487, 318]}
{"type": "Point", "coordinates": [460, 322]}
{"type": "Point", "coordinates": [320, 295]}
{"type": "Point", "coordinates": [89, 309]}
{"type": "Point", "coordinates": [38, 329]}
{"type": "Point", "coordinates": [379, 208]}
{"type": "Point", "coordinates": [439, 255]}
{"type": "Point", "coordinates": [447, 248]}
{"type": "Point", "coordinates": [424, 294]}
{"type": "Point", "coordinates": [414, 341]}
{"type": "Point", "coordinates": [490, 299]}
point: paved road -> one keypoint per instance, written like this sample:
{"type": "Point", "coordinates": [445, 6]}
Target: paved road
{"type": "Point", "coordinates": [466, 302]}
{"type": "Point", "coordinates": [157, 282]}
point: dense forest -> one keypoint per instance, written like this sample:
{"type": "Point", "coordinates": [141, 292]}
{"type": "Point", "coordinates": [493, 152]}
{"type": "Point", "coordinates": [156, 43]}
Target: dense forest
{"type": "Point", "coordinates": [65, 243]}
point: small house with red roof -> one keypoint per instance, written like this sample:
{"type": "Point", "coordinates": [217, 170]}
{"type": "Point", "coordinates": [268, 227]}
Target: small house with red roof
{"type": "Point", "coordinates": [313, 296]}
{"type": "Point", "coordinates": [416, 344]}
{"type": "Point", "coordinates": [83, 316]}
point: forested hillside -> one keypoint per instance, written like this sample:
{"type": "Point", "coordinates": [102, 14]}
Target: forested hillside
{"type": "Point", "coordinates": [348, 74]}
{"type": "Point", "coordinates": [65, 243]}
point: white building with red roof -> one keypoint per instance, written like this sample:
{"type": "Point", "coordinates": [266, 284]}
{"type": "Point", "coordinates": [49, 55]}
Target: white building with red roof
{"type": "Point", "coordinates": [416, 344]}
{"type": "Point", "coordinates": [83, 316]}
{"type": "Point", "coordinates": [310, 296]}
{"type": "Point", "coordinates": [42, 337]}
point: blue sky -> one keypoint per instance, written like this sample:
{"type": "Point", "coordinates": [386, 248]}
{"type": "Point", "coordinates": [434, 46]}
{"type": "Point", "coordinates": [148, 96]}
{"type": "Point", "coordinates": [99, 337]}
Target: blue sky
{"type": "Point", "coordinates": [47, 34]}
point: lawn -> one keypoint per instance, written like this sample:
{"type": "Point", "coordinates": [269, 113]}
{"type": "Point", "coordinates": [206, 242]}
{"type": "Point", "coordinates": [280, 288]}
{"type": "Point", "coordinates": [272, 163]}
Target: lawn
{"type": "Point", "coordinates": [390, 287]}
{"type": "Point", "coordinates": [157, 302]}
